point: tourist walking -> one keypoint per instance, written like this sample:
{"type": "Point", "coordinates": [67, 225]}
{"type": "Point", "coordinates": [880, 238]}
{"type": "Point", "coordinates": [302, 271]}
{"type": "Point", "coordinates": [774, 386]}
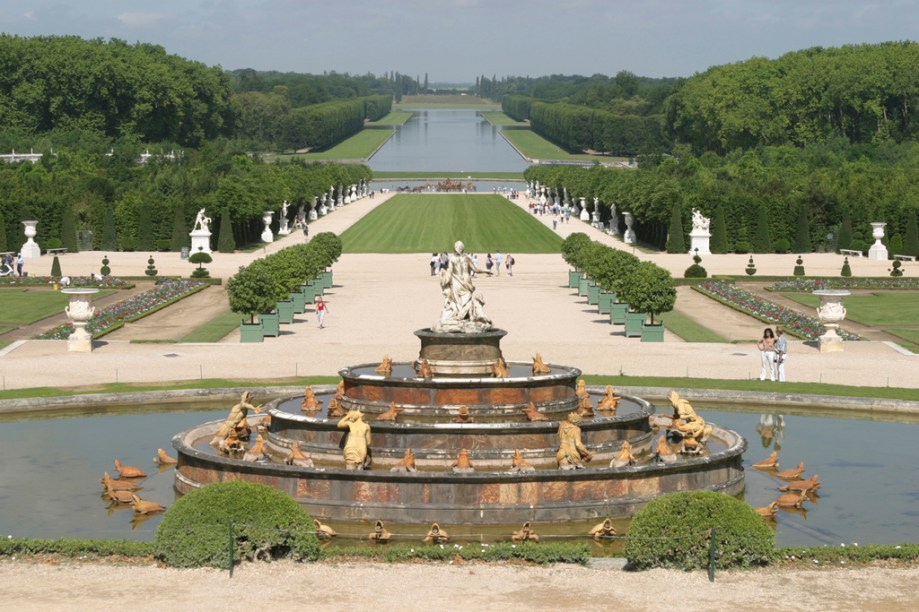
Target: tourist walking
{"type": "Point", "coordinates": [781, 353]}
{"type": "Point", "coordinates": [19, 263]}
{"type": "Point", "coordinates": [322, 309]}
{"type": "Point", "coordinates": [498, 258]}
{"type": "Point", "coordinates": [510, 264]}
{"type": "Point", "coordinates": [766, 346]}
{"type": "Point", "coordinates": [435, 261]}
{"type": "Point", "coordinates": [489, 262]}
{"type": "Point", "coordinates": [306, 231]}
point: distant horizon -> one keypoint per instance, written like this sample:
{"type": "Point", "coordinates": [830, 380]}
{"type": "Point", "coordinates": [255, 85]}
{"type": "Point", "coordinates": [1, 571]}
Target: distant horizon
{"type": "Point", "coordinates": [454, 41]}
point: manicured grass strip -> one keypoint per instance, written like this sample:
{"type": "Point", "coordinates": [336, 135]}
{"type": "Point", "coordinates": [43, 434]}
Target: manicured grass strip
{"type": "Point", "coordinates": [448, 100]}
{"type": "Point", "coordinates": [27, 306]}
{"type": "Point", "coordinates": [214, 330]}
{"type": "Point", "coordinates": [688, 329]}
{"type": "Point", "coordinates": [360, 146]}
{"type": "Point", "coordinates": [428, 223]}
{"type": "Point", "coordinates": [499, 118]}
{"type": "Point", "coordinates": [3, 330]}
{"type": "Point", "coordinates": [393, 118]}
{"type": "Point", "coordinates": [880, 309]}
{"type": "Point", "coordinates": [535, 146]}
{"type": "Point", "coordinates": [438, 174]}
{"type": "Point", "coordinates": [755, 385]}
{"type": "Point", "coordinates": [910, 338]}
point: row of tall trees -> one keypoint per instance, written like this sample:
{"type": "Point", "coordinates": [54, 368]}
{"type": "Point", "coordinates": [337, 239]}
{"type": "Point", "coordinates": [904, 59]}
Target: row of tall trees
{"type": "Point", "coordinates": [322, 125]}
{"type": "Point", "coordinates": [581, 129]}
{"type": "Point", "coordinates": [822, 196]}
{"type": "Point", "coordinates": [117, 204]}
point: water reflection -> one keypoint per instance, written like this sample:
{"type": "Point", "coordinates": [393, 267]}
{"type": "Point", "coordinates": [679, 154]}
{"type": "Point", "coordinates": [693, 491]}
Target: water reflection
{"type": "Point", "coordinates": [50, 470]}
{"type": "Point", "coordinates": [447, 140]}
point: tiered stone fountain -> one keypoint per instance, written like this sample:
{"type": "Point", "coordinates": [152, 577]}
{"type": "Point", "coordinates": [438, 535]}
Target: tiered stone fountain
{"type": "Point", "coordinates": [462, 404]}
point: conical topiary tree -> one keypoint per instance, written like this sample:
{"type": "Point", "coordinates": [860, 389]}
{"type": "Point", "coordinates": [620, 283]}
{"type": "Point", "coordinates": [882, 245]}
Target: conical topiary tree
{"type": "Point", "coordinates": [68, 231]}
{"type": "Point", "coordinates": [896, 245]}
{"type": "Point", "coordinates": [846, 270]}
{"type": "Point", "coordinates": [3, 241]}
{"type": "Point", "coordinates": [179, 232]}
{"type": "Point", "coordinates": [799, 266]}
{"type": "Point", "coordinates": [845, 234]}
{"type": "Point", "coordinates": [146, 240]}
{"type": "Point", "coordinates": [56, 267]}
{"type": "Point", "coordinates": [109, 239]}
{"type": "Point", "coordinates": [911, 240]}
{"type": "Point", "coordinates": [802, 243]}
{"type": "Point", "coordinates": [676, 243]}
{"type": "Point", "coordinates": [719, 242]}
{"type": "Point", "coordinates": [225, 241]}
{"type": "Point", "coordinates": [761, 242]}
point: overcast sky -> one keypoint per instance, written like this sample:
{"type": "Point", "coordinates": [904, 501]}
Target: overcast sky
{"type": "Point", "coordinates": [455, 40]}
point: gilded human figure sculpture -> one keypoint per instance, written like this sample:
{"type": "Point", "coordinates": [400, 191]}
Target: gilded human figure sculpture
{"type": "Point", "coordinates": [526, 534]}
{"type": "Point", "coordinates": [572, 454]}
{"type": "Point", "coordinates": [310, 404]}
{"type": "Point", "coordinates": [685, 419]}
{"type": "Point", "coordinates": [464, 307]}
{"type": "Point", "coordinates": [625, 456]}
{"type": "Point", "coordinates": [357, 446]}
{"type": "Point", "coordinates": [236, 418]}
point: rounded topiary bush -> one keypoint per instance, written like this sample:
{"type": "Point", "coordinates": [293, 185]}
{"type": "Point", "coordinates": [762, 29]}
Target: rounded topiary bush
{"type": "Point", "coordinates": [673, 531]}
{"type": "Point", "coordinates": [266, 524]}
{"type": "Point", "coordinates": [751, 267]}
{"type": "Point", "coordinates": [695, 270]}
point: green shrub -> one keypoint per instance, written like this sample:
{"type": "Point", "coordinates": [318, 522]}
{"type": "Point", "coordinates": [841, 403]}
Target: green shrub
{"type": "Point", "coordinates": [195, 531]}
{"type": "Point", "coordinates": [541, 553]}
{"type": "Point", "coordinates": [799, 267]}
{"type": "Point", "coordinates": [859, 245]}
{"type": "Point", "coordinates": [105, 270]}
{"type": "Point", "coordinates": [896, 271]}
{"type": "Point", "coordinates": [751, 267]}
{"type": "Point", "coordinates": [846, 270]}
{"type": "Point", "coordinates": [782, 245]}
{"type": "Point", "coordinates": [742, 247]}
{"type": "Point", "coordinates": [151, 268]}
{"type": "Point", "coordinates": [70, 547]}
{"type": "Point", "coordinates": [853, 554]}
{"type": "Point", "coordinates": [676, 243]}
{"type": "Point", "coordinates": [674, 531]}
{"type": "Point", "coordinates": [56, 267]}
{"type": "Point", "coordinates": [896, 244]}
{"type": "Point", "coordinates": [200, 258]}
{"type": "Point", "coordinates": [55, 243]}
{"type": "Point", "coordinates": [695, 270]}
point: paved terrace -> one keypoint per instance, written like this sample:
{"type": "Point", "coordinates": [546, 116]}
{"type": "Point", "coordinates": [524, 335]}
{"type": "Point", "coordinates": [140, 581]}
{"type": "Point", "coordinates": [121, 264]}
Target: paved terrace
{"type": "Point", "coordinates": [379, 300]}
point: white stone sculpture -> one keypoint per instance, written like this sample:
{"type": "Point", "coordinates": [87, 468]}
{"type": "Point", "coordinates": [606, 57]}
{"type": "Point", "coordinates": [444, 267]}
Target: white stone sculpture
{"type": "Point", "coordinates": [878, 252]}
{"type": "Point", "coordinates": [201, 234]}
{"type": "Point", "coordinates": [831, 313]}
{"type": "Point", "coordinates": [267, 235]}
{"type": "Point", "coordinates": [30, 248]}
{"type": "Point", "coordinates": [700, 236]}
{"type": "Point", "coordinates": [80, 310]}
{"type": "Point", "coordinates": [313, 215]}
{"type": "Point", "coordinates": [284, 227]}
{"type": "Point", "coordinates": [464, 307]}
{"type": "Point", "coordinates": [584, 214]}
{"type": "Point", "coordinates": [629, 237]}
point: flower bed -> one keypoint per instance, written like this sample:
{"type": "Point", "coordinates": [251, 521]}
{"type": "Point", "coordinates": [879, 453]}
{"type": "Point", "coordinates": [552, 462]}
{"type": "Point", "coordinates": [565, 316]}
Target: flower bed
{"type": "Point", "coordinates": [792, 321]}
{"type": "Point", "coordinates": [105, 282]}
{"type": "Point", "coordinates": [811, 284]}
{"type": "Point", "coordinates": [112, 317]}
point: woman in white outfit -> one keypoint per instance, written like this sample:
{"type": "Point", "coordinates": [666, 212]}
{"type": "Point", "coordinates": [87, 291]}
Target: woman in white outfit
{"type": "Point", "coordinates": [766, 346]}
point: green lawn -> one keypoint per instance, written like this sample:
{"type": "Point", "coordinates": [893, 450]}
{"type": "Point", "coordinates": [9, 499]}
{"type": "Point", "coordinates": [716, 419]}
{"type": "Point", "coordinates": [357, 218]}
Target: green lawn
{"type": "Point", "coordinates": [432, 223]}
{"type": "Point", "coordinates": [879, 309]}
{"type": "Point", "coordinates": [445, 101]}
{"type": "Point", "coordinates": [535, 146]}
{"type": "Point", "coordinates": [688, 329]}
{"type": "Point", "coordinates": [437, 174]}
{"type": "Point", "coordinates": [216, 329]}
{"type": "Point", "coordinates": [499, 118]}
{"type": "Point", "coordinates": [393, 118]}
{"type": "Point", "coordinates": [360, 146]}
{"type": "Point", "coordinates": [3, 330]}
{"type": "Point", "coordinates": [26, 306]}
{"type": "Point", "coordinates": [910, 338]}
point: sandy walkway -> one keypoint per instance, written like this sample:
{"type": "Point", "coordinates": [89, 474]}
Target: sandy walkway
{"type": "Point", "coordinates": [470, 586]}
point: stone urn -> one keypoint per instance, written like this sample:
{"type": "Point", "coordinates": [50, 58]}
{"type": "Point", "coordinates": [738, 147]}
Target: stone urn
{"type": "Point", "coordinates": [80, 310]}
{"type": "Point", "coordinates": [267, 235]}
{"type": "Point", "coordinates": [30, 248]}
{"type": "Point", "coordinates": [584, 214]}
{"type": "Point", "coordinates": [831, 313]}
{"type": "Point", "coordinates": [629, 236]}
{"type": "Point", "coordinates": [878, 252]}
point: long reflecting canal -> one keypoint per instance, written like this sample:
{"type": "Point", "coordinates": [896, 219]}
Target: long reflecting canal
{"type": "Point", "coordinates": [50, 469]}
{"type": "Point", "coordinates": [447, 140]}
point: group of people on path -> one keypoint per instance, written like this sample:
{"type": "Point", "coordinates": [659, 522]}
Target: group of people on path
{"type": "Point", "coordinates": [773, 353]}
{"type": "Point", "coordinates": [8, 263]}
{"type": "Point", "coordinates": [440, 262]}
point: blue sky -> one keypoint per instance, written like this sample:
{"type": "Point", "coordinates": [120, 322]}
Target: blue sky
{"type": "Point", "coordinates": [455, 40]}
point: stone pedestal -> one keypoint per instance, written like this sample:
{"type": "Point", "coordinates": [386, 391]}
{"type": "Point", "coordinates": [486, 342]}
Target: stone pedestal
{"type": "Point", "coordinates": [80, 310]}
{"type": "Point", "coordinates": [200, 241]}
{"type": "Point", "coordinates": [267, 235]}
{"type": "Point", "coordinates": [629, 236]}
{"type": "Point", "coordinates": [878, 252]}
{"type": "Point", "coordinates": [831, 312]}
{"type": "Point", "coordinates": [285, 228]}
{"type": "Point", "coordinates": [699, 241]}
{"type": "Point", "coordinates": [461, 354]}
{"type": "Point", "coordinates": [30, 249]}
{"type": "Point", "coordinates": [585, 214]}
{"type": "Point", "coordinates": [313, 215]}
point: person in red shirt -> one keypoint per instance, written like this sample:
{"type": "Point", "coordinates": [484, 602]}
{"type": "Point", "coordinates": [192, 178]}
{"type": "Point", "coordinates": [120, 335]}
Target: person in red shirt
{"type": "Point", "coordinates": [321, 310]}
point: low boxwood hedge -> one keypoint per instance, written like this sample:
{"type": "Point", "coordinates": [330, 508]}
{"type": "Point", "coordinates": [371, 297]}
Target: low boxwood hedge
{"type": "Point", "coordinates": [674, 531]}
{"type": "Point", "coordinates": [267, 524]}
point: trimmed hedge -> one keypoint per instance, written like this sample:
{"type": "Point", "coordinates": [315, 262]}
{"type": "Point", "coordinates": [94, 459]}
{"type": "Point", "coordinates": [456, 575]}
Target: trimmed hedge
{"type": "Point", "coordinates": [674, 531]}
{"type": "Point", "coordinates": [540, 553]}
{"type": "Point", "coordinates": [70, 547]}
{"type": "Point", "coordinates": [266, 523]}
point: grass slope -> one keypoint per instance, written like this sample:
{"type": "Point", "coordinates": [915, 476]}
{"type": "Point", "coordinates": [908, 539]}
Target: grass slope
{"type": "Point", "coordinates": [499, 118]}
{"type": "Point", "coordinates": [880, 309]}
{"type": "Point", "coordinates": [393, 118]}
{"type": "Point", "coordinates": [688, 328]}
{"type": "Point", "coordinates": [26, 306]}
{"type": "Point", "coordinates": [214, 330]}
{"type": "Point", "coordinates": [360, 146]}
{"type": "Point", "coordinates": [535, 146]}
{"type": "Point", "coordinates": [433, 222]}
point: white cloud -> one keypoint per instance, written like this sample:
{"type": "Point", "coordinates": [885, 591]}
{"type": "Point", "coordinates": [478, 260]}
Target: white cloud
{"type": "Point", "coordinates": [140, 19]}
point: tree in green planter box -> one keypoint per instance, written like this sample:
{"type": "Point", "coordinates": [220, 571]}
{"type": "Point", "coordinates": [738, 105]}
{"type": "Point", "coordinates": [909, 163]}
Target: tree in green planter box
{"type": "Point", "coordinates": [571, 248]}
{"type": "Point", "coordinates": [200, 258]}
{"type": "Point", "coordinates": [676, 241]}
{"type": "Point", "coordinates": [649, 288]}
{"type": "Point", "coordinates": [329, 244]}
{"type": "Point", "coordinates": [590, 255]}
{"type": "Point", "coordinates": [251, 291]}
{"type": "Point", "coordinates": [610, 265]}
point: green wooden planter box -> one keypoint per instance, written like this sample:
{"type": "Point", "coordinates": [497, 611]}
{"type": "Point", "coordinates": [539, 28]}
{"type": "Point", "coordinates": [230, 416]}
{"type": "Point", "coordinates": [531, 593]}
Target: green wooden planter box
{"type": "Point", "coordinates": [270, 324]}
{"type": "Point", "coordinates": [617, 312]}
{"type": "Point", "coordinates": [583, 285]}
{"type": "Point", "coordinates": [605, 302]}
{"type": "Point", "coordinates": [285, 311]}
{"type": "Point", "coordinates": [573, 277]}
{"type": "Point", "coordinates": [299, 301]}
{"type": "Point", "coordinates": [593, 294]}
{"type": "Point", "coordinates": [633, 323]}
{"type": "Point", "coordinates": [309, 293]}
{"type": "Point", "coordinates": [652, 333]}
{"type": "Point", "coordinates": [251, 332]}
{"type": "Point", "coordinates": [326, 279]}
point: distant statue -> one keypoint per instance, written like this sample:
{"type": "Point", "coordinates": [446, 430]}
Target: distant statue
{"type": "Point", "coordinates": [296, 456]}
{"type": "Point", "coordinates": [686, 421]}
{"type": "Point", "coordinates": [235, 420]}
{"type": "Point", "coordinates": [463, 415]}
{"type": "Point", "coordinates": [500, 368]}
{"type": "Point", "coordinates": [462, 465]}
{"type": "Point", "coordinates": [526, 534]}
{"type": "Point", "coordinates": [625, 456]}
{"type": "Point", "coordinates": [436, 535]}
{"type": "Point", "coordinates": [571, 451]}
{"type": "Point", "coordinates": [464, 307]}
{"type": "Point", "coordinates": [539, 367]}
{"type": "Point", "coordinates": [407, 464]}
{"type": "Point", "coordinates": [519, 464]}
{"type": "Point", "coordinates": [699, 222]}
{"type": "Point", "coordinates": [284, 206]}
{"type": "Point", "coordinates": [310, 404]}
{"type": "Point", "coordinates": [356, 441]}
{"type": "Point", "coordinates": [385, 367]}
{"type": "Point", "coordinates": [201, 222]}
{"type": "Point", "coordinates": [424, 369]}
{"type": "Point", "coordinates": [610, 401]}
